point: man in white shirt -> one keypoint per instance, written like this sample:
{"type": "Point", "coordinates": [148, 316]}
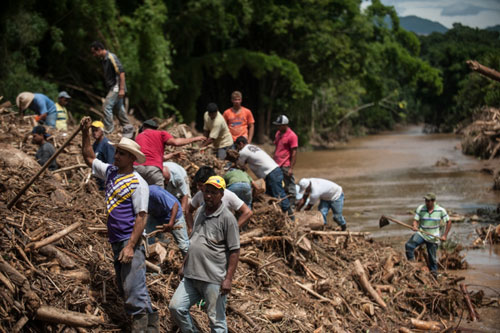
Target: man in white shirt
{"type": "Point", "coordinates": [263, 166]}
{"type": "Point", "coordinates": [230, 200]}
{"type": "Point", "coordinates": [329, 195]}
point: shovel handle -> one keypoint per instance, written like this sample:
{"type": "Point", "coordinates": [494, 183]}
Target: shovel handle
{"type": "Point", "coordinates": [410, 227]}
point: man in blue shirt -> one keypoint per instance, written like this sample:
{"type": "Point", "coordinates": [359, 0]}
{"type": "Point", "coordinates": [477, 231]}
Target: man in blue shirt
{"type": "Point", "coordinates": [165, 214]}
{"type": "Point", "coordinates": [43, 106]}
{"type": "Point", "coordinates": [114, 79]}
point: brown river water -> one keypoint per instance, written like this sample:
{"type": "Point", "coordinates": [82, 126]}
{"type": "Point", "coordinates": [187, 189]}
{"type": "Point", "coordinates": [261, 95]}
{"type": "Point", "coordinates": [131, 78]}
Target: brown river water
{"type": "Point", "coordinates": [388, 174]}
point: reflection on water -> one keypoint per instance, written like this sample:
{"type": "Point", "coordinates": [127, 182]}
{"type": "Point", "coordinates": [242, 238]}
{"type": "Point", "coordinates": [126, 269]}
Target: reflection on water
{"type": "Point", "coordinates": [389, 173]}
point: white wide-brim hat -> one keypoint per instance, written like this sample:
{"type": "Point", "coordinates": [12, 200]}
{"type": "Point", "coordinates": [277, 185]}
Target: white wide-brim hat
{"type": "Point", "coordinates": [24, 99]}
{"type": "Point", "coordinates": [132, 147]}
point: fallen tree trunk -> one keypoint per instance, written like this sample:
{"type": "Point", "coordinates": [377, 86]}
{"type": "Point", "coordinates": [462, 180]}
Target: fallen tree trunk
{"type": "Point", "coordinates": [472, 312]}
{"type": "Point", "coordinates": [52, 252]}
{"type": "Point", "coordinates": [359, 272]}
{"type": "Point", "coordinates": [481, 69]}
{"type": "Point", "coordinates": [66, 317]}
{"type": "Point", "coordinates": [340, 233]}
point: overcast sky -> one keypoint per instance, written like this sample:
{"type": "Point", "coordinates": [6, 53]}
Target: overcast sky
{"type": "Point", "coordinates": [474, 13]}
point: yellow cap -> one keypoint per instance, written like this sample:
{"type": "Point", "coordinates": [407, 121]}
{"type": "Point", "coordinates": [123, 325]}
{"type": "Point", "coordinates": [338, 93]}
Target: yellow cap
{"type": "Point", "coordinates": [98, 124]}
{"type": "Point", "coordinates": [216, 181]}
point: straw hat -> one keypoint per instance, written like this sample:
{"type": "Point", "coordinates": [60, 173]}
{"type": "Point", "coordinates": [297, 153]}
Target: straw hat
{"type": "Point", "coordinates": [132, 147]}
{"type": "Point", "coordinates": [24, 100]}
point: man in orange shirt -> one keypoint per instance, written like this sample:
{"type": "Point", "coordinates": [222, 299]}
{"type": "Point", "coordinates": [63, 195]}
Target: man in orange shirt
{"type": "Point", "coordinates": [239, 119]}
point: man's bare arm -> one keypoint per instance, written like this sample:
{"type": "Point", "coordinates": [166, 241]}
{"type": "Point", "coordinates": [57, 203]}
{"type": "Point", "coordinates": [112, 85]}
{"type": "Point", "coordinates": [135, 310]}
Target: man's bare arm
{"type": "Point", "coordinates": [245, 215]}
{"type": "Point", "coordinates": [87, 151]}
{"type": "Point", "coordinates": [250, 132]}
{"type": "Point", "coordinates": [234, 256]}
{"type": "Point", "coordinates": [127, 253]}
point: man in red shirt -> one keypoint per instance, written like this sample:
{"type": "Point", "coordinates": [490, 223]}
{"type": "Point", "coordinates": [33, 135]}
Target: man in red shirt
{"type": "Point", "coordinates": [285, 155]}
{"type": "Point", "coordinates": [239, 119]}
{"type": "Point", "coordinates": [152, 144]}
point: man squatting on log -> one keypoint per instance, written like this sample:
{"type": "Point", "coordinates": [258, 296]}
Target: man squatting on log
{"type": "Point", "coordinates": [127, 195]}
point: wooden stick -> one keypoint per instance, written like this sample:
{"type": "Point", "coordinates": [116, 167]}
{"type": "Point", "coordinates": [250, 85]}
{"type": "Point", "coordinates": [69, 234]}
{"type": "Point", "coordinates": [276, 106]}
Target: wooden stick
{"type": "Point", "coordinates": [20, 324]}
{"type": "Point", "coordinates": [6, 282]}
{"type": "Point", "coordinates": [359, 272]}
{"type": "Point", "coordinates": [472, 313]}
{"type": "Point", "coordinates": [66, 317]}
{"type": "Point", "coordinates": [340, 233]}
{"type": "Point", "coordinates": [242, 315]}
{"type": "Point", "coordinates": [153, 267]}
{"type": "Point", "coordinates": [76, 166]}
{"type": "Point", "coordinates": [55, 237]}
{"type": "Point", "coordinates": [44, 167]}
{"type": "Point", "coordinates": [426, 325]}
{"type": "Point", "coordinates": [312, 292]}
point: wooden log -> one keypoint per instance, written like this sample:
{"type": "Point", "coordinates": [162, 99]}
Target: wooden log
{"type": "Point", "coordinates": [246, 238]}
{"type": "Point", "coordinates": [242, 315]}
{"type": "Point", "coordinates": [274, 315]}
{"type": "Point", "coordinates": [157, 252]}
{"type": "Point", "coordinates": [20, 324]}
{"type": "Point", "coordinates": [340, 233]}
{"type": "Point", "coordinates": [66, 317]}
{"type": "Point", "coordinates": [44, 167]}
{"type": "Point", "coordinates": [368, 309]}
{"type": "Point", "coordinates": [7, 283]}
{"type": "Point", "coordinates": [32, 299]}
{"type": "Point", "coordinates": [359, 272]}
{"type": "Point", "coordinates": [426, 325]}
{"type": "Point", "coordinates": [53, 252]}
{"type": "Point", "coordinates": [388, 268]}
{"type": "Point", "coordinates": [315, 294]}
{"type": "Point", "coordinates": [404, 330]}
{"type": "Point", "coordinates": [472, 312]}
{"type": "Point", "coordinates": [153, 267]}
{"type": "Point", "coordinates": [250, 261]}
{"type": "Point", "coordinates": [481, 69]}
{"type": "Point", "coordinates": [55, 237]}
{"type": "Point", "coordinates": [81, 275]}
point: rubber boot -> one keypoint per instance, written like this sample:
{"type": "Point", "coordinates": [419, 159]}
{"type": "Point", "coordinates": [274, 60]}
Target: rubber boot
{"type": "Point", "coordinates": [140, 323]}
{"type": "Point", "coordinates": [153, 322]}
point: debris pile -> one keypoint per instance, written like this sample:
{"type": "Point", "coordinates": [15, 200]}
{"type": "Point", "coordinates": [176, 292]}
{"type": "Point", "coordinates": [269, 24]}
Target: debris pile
{"type": "Point", "coordinates": [482, 137]}
{"type": "Point", "coordinates": [56, 266]}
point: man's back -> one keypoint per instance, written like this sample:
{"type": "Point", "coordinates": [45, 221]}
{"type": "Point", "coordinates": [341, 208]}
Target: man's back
{"type": "Point", "coordinates": [152, 144]}
{"type": "Point", "coordinates": [258, 160]}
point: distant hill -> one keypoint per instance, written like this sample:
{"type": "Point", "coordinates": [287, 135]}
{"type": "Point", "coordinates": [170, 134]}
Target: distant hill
{"type": "Point", "coordinates": [422, 26]}
{"type": "Point", "coordinates": [494, 28]}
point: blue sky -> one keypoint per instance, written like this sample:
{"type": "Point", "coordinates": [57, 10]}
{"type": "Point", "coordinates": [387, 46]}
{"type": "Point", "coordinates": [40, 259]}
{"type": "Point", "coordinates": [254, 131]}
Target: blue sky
{"type": "Point", "coordinates": [474, 13]}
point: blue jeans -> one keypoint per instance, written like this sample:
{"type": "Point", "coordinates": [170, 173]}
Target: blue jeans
{"type": "Point", "coordinates": [221, 153]}
{"type": "Point", "coordinates": [274, 188]}
{"type": "Point", "coordinates": [417, 240]}
{"type": "Point", "coordinates": [290, 189]}
{"type": "Point", "coordinates": [180, 235]}
{"type": "Point", "coordinates": [131, 279]}
{"type": "Point", "coordinates": [113, 102]}
{"type": "Point", "coordinates": [336, 206]}
{"type": "Point", "coordinates": [191, 291]}
{"type": "Point", "coordinates": [243, 191]}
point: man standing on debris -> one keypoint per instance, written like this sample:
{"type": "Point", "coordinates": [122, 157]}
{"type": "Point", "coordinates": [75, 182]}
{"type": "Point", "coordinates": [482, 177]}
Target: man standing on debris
{"type": "Point", "coordinates": [165, 214]}
{"type": "Point", "coordinates": [46, 150]}
{"type": "Point", "coordinates": [216, 131]}
{"type": "Point", "coordinates": [152, 144]}
{"type": "Point", "coordinates": [428, 218]}
{"type": "Point", "coordinates": [329, 195]}
{"type": "Point", "coordinates": [239, 119]}
{"type": "Point", "coordinates": [230, 200]}
{"type": "Point", "coordinates": [43, 106]}
{"type": "Point", "coordinates": [177, 183]}
{"type": "Point", "coordinates": [285, 154]}
{"type": "Point", "coordinates": [62, 113]}
{"type": "Point", "coordinates": [103, 150]}
{"type": "Point", "coordinates": [114, 79]}
{"type": "Point", "coordinates": [211, 262]}
{"type": "Point", "coordinates": [263, 166]}
{"type": "Point", "coordinates": [126, 206]}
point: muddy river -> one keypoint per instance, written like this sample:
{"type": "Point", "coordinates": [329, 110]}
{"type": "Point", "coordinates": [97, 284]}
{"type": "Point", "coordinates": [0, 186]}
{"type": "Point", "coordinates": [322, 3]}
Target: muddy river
{"type": "Point", "coordinates": [389, 173]}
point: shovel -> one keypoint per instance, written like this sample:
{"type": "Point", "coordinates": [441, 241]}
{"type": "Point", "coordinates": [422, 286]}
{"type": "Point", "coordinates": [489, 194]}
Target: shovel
{"type": "Point", "coordinates": [384, 220]}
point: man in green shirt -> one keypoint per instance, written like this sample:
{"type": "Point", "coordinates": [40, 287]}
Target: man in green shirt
{"type": "Point", "coordinates": [240, 183]}
{"type": "Point", "coordinates": [428, 218]}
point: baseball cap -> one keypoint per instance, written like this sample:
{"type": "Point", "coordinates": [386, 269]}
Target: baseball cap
{"type": "Point", "coordinates": [128, 131]}
{"type": "Point", "coordinates": [216, 181]}
{"type": "Point", "coordinates": [281, 120]}
{"type": "Point", "coordinates": [303, 185]}
{"type": "Point", "coordinates": [63, 94]}
{"type": "Point", "coordinates": [212, 107]}
{"type": "Point", "coordinates": [150, 123]}
{"type": "Point", "coordinates": [98, 124]}
{"type": "Point", "coordinates": [430, 196]}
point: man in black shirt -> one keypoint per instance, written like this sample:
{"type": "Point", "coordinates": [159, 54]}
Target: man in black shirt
{"type": "Point", "coordinates": [114, 79]}
{"type": "Point", "coordinates": [46, 149]}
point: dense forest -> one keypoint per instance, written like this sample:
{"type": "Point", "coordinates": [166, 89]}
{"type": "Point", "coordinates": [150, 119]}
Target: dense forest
{"type": "Point", "coordinates": [332, 67]}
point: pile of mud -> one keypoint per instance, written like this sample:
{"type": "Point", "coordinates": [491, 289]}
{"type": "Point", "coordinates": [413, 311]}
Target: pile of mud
{"type": "Point", "coordinates": [290, 278]}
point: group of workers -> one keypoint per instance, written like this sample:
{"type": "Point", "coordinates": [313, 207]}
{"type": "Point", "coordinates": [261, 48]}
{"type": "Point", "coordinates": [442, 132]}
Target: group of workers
{"type": "Point", "coordinates": [147, 195]}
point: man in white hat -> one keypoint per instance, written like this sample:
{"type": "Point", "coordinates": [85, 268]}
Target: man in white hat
{"type": "Point", "coordinates": [329, 195]}
{"type": "Point", "coordinates": [127, 196]}
{"type": "Point", "coordinates": [43, 106]}
{"type": "Point", "coordinates": [62, 114]}
{"type": "Point", "coordinates": [285, 154]}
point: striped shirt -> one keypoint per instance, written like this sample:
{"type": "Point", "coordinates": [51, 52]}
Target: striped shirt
{"type": "Point", "coordinates": [430, 222]}
{"type": "Point", "coordinates": [126, 196]}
